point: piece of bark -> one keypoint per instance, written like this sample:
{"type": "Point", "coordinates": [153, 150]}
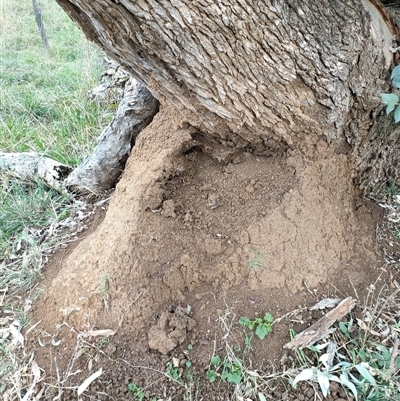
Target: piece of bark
{"type": "Point", "coordinates": [322, 328]}
{"type": "Point", "coordinates": [105, 164]}
{"type": "Point", "coordinates": [33, 166]}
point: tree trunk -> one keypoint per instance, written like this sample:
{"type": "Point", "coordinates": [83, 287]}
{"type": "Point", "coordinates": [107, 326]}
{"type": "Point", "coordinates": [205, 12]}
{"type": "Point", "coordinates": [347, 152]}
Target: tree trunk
{"type": "Point", "coordinates": [258, 75]}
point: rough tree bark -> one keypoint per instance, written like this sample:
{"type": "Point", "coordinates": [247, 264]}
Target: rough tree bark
{"type": "Point", "coordinates": [265, 75]}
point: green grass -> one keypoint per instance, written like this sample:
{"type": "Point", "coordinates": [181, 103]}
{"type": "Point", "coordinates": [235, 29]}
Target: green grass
{"type": "Point", "coordinates": [43, 108]}
{"type": "Point", "coordinates": [43, 104]}
{"type": "Point", "coordinates": [28, 218]}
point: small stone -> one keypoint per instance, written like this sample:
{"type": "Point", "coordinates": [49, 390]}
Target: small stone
{"type": "Point", "coordinates": [110, 350]}
{"type": "Point", "coordinates": [169, 208]}
{"type": "Point", "coordinates": [250, 189]}
{"type": "Point", "coordinates": [188, 218]}
{"type": "Point", "coordinates": [213, 201]}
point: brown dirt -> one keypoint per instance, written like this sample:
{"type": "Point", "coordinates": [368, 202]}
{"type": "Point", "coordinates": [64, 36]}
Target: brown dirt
{"type": "Point", "coordinates": [186, 233]}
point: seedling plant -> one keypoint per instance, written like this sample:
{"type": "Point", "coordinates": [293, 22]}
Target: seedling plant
{"type": "Point", "coordinates": [136, 392]}
{"type": "Point", "coordinates": [262, 326]}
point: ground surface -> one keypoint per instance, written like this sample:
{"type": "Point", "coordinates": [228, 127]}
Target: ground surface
{"type": "Point", "coordinates": [188, 246]}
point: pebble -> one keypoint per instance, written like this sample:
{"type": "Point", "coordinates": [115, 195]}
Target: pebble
{"type": "Point", "coordinates": [250, 189]}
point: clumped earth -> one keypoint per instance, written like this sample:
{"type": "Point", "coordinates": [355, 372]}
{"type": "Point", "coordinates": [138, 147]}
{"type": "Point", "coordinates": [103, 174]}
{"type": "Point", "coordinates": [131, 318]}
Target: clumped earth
{"type": "Point", "coordinates": [194, 238]}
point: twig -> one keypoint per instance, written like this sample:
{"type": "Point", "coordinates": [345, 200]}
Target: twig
{"type": "Point", "coordinates": [395, 352]}
{"type": "Point", "coordinates": [305, 285]}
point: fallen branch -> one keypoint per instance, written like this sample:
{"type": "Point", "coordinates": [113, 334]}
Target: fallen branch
{"type": "Point", "coordinates": [107, 161]}
{"type": "Point", "coordinates": [321, 329]}
{"type": "Point", "coordinates": [34, 166]}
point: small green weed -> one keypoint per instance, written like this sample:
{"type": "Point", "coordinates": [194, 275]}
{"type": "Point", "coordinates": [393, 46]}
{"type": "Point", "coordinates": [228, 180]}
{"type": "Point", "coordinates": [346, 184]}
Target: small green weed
{"type": "Point", "coordinates": [174, 372]}
{"type": "Point", "coordinates": [231, 369]}
{"type": "Point", "coordinates": [262, 326]}
{"type": "Point", "coordinates": [104, 342]}
{"type": "Point", "coordinates": [136, 391]}
{"type": "Point", "coordinates": [256, 262]}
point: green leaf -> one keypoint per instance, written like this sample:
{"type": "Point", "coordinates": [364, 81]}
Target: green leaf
{"type": "Point", "coordinates": [342, 326]}
{"type": "Point", "coordinates": [355, 381]}
{"type": "Point", "coordinates": [211, 376]}
{"type": "Point", "coordinates": [261, 331]}
{"type": "Point", "coordinates": [323, 382]}
{"type": "Point", "coordinates": [390, 100]}
{"type": "Point", "coordinates": [234, 377]}
{"type": "Point", "coordinates": [345, 381]}
{"type": "Point", "coordinates": [215, 360]}
{"type": "Point", "coordinates": [244, 321]}
{"type": "Point", "coordinates": [395, 72]}
{"type": "Point", "coordinates": [397, 114]}
{"type": "Point", "coordinates": [396, 82]}
{"type": "Point", "coordinates": [268, 318]}
{"type": "Point", "coordinates": [188, 363]}
{"type": "Point", "coordinates": [261, 397]}
{"type": "Point", "coordinates": [364, 372]}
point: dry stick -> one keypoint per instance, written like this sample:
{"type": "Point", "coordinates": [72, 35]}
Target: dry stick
{"type": "Point", "coordinates": [354, 288]}
{"type": "Point", "coordinates": [395, 352]}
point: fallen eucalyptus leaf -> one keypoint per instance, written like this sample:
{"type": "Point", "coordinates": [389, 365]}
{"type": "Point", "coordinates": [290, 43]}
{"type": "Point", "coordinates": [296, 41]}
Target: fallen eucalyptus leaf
{"type": "Point", "coordinates": [88, 381]}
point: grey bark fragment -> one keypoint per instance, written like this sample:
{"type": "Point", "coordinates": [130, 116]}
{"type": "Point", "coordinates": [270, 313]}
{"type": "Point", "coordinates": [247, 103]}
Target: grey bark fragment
{"type": "Point", "coordinates": [106, 163]}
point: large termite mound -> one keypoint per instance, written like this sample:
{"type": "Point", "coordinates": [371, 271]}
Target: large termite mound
{"type": "Point", "coordinates": [184, 229]}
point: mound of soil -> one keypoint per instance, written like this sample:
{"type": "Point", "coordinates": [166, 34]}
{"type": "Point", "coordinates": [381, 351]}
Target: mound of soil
{"type": "Point", "coordinates": [190, 244]}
